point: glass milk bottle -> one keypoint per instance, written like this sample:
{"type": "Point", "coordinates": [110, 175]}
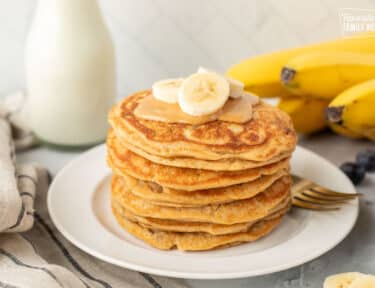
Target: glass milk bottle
{"type": "Point", "coordinates": [70, 72]}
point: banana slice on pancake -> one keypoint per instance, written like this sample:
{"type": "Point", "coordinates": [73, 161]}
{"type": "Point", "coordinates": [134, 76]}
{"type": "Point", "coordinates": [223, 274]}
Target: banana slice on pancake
{"type": "Point", "coordinates": [203, 93]}
{"type": "Point", "coordinates": [236, 88]}
{"type": "Point", "coordinates": [167, 90]}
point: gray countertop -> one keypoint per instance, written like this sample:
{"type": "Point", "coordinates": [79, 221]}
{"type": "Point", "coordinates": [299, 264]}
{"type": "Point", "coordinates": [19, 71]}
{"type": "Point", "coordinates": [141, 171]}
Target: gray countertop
{"type": "Point", "coordinates": [355, 253]}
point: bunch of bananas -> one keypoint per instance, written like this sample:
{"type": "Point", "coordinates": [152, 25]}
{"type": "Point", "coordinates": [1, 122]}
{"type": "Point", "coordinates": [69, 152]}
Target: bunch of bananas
{"type": "Point", "coordinates": [331, 83]}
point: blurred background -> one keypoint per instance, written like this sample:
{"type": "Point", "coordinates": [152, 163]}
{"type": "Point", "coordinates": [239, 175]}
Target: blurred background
{"type": "Point", "coordinates": [157, 39]}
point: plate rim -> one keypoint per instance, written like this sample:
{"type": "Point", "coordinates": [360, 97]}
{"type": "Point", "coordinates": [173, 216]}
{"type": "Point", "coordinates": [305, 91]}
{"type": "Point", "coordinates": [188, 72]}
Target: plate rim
{"type": "Point", "coordinates": [178, 274]}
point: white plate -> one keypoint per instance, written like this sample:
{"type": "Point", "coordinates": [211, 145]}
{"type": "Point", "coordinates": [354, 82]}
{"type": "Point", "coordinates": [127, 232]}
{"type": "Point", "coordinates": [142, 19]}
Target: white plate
{"type": "Point", "coordinates": [78, 202]}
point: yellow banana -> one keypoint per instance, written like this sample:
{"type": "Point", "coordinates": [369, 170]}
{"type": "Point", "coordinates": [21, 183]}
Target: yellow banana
{"type": "Point", "coordinates": [326, 74]}
{"type": "Point", "coordinates": [344, 131]}
{"type": "Point", "coordinates": [285, 94]}
{"type": "Point", "coordinates": [307, 114]}
{"type": "Point", "coordinates": [261, 74]}
{"type": "Point", "coordinates": [355, 109]}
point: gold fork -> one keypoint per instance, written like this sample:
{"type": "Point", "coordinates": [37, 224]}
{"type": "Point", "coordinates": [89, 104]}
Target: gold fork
{"type": "Point", "coordinates": [309, 195]}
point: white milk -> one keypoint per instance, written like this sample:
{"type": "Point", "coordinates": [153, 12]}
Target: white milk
{"type": "Point", "coordinates": [70, 72]}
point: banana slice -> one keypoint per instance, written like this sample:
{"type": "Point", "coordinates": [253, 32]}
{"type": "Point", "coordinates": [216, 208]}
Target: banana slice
{"type": "Point", "coordinates": [205, 70]}
{"type": "Point", "coordinates": [167, 90]}
{"type": "Point", "coordinates": [350, 280]}
{"type": "Point", "coordinates": [203, 93]}
{"type": "Point", "coordinates": [236, 87]}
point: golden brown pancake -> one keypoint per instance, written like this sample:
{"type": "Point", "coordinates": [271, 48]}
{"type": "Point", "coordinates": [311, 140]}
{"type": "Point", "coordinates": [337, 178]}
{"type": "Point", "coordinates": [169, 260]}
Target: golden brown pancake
{"type": "Point", "coordinates": [195, 241]}
{"type": "Point", "coordinates": [231, 164]}
{"type": "Point", "coordinates": [160, 195]}
{"type": "Point", "coordinates": [185, 226]}
{"type": "Point", "coordinates": [240, 211]}
{"type": "Point", "coordinates": [123, 161]}
{"type": "Point", "coordinates": [266, 136]}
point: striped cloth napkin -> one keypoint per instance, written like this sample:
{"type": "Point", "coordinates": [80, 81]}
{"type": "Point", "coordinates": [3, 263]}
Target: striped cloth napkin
{"type": "Point", "coordinates": [40, 256]}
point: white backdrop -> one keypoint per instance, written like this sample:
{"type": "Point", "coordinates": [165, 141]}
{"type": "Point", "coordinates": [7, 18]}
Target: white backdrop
{"type": "Point", "coordinates": [166, 38]}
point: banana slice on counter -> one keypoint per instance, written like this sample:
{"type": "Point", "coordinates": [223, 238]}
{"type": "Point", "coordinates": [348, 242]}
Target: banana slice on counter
{"type": "Point", "coordinates": [350, 280]}
{"type": "Point", "coordinates": [203, 93]}
{"type": "Point", "coordinates": [236, 87]}
{"type": "Point", "coordinates": [167, 90]}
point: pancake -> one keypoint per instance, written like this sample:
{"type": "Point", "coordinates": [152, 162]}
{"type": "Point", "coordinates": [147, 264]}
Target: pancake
{"type": "Point", "coordinates": [123, 161]}
{"type": "Point", "coordinates": [195, 241]}
{"type": "Point", "coordinates": [240, 211]}
{"type": "Point", "coordinates": [184, 226]}
{"type": "Point", "coordinates": [266, 136]}
{"type": "Point", "coordinates": [160, 195]}
{"type": "Point", "coordinates": [230, 164]}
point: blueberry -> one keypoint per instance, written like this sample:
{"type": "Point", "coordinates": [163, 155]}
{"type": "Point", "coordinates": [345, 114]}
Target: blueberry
{"type": "Point", "coordinates": [355, 172]}
{"type": "Point", "coordinates": [366, 159]}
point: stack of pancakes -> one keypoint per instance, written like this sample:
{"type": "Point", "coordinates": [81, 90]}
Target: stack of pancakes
{"type": "Point", "coordinates": [199, 187]}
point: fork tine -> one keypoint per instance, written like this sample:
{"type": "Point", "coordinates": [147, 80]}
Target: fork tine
{"type": "Point", "coordinates": [320, 196]}
{"type": "Point", "coordinates": [329, 192]}
{"type": "Point", "coordinates": [306, 205]}
{"type": "Point", "coordinates": [309, 195]}
{"type": "Point", "coordinates": [306, 197]}
{"type": "Point", "coordinates": [307, 184]}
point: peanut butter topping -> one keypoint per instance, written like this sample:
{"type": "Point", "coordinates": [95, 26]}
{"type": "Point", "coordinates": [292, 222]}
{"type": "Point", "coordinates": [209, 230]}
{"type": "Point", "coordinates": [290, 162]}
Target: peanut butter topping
{"type": "Point", "coordinates": [237, 110]}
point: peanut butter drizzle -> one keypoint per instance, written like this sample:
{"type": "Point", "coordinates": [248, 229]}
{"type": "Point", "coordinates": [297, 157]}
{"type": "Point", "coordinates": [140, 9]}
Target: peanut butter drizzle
{"type": "Point", "coordinates": [237, 110]}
